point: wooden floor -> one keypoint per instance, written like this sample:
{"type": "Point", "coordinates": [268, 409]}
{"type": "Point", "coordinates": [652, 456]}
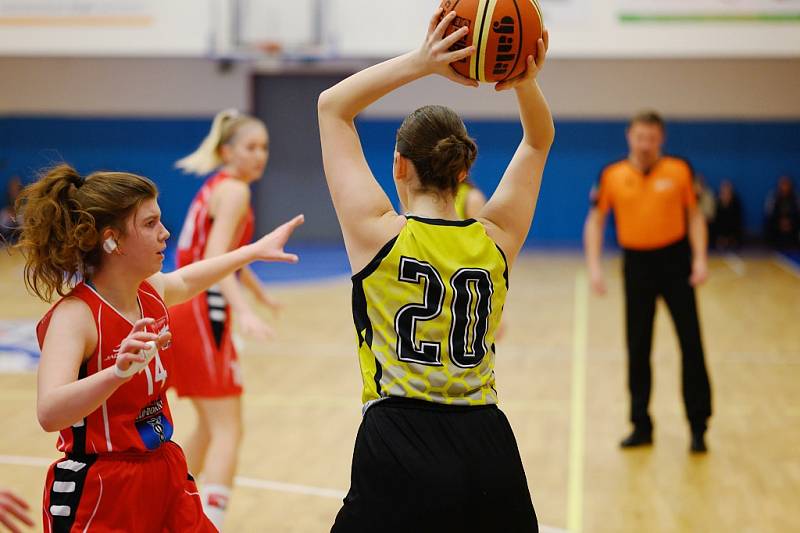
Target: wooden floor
{"type": "Point", "coordinates": [562, 345]}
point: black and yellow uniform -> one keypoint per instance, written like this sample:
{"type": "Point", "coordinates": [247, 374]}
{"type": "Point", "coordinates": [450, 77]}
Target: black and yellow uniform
{"type": "Point", "coordinates": [650, 210]}
{"type": "Point", "coordinates": [433, 451]}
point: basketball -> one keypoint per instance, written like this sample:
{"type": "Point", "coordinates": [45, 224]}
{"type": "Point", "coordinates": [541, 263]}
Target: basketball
{"type": "Point", "coordinates": [504, 33]}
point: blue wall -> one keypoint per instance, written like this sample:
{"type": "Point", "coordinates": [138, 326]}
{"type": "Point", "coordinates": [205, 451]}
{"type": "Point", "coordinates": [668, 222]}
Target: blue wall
{"type": "Point", "coordinates": [751, 154]}
{"type": "Point", "coordinates": [148, 147]}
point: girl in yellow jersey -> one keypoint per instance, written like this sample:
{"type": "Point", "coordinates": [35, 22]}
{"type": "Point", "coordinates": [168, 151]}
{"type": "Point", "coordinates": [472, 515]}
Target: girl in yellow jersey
{"type": "Point", "coordinates": [433, 453]}
{"type": "Point", "coordinates": [469, 200]}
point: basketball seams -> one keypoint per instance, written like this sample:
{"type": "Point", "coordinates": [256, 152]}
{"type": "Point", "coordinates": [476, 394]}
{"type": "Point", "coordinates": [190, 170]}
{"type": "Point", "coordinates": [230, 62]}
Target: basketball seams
{"type": "Point", "coordinates": [480, 54]}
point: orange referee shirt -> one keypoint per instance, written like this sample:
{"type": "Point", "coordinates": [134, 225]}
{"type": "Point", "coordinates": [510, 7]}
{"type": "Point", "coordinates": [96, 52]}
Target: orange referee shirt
{"type": "Point", "coordinates": [650, 209]}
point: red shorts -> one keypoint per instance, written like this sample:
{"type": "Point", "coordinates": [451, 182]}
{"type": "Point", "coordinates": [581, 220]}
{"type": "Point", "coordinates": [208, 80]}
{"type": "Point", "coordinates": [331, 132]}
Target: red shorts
{"type": "Point", "coordinates": [124, 492]}
{"type": "Point", "coordinates": [205, 361]}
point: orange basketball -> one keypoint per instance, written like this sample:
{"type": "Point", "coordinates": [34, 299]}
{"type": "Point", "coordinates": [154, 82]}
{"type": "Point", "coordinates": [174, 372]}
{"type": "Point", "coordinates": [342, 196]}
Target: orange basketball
{"type": "Point", "coordinates": [504, 33]}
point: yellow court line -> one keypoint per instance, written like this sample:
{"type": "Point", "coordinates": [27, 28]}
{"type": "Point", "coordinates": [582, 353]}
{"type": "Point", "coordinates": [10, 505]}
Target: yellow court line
{"type": "Point", "coordinates": [578, 405]}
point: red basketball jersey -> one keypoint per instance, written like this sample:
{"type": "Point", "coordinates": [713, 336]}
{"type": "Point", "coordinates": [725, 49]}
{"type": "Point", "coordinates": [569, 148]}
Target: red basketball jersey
{"type": "Point", "coordinates": [136, 417]}
{"type": "Point", "coordinates": [197, 226]}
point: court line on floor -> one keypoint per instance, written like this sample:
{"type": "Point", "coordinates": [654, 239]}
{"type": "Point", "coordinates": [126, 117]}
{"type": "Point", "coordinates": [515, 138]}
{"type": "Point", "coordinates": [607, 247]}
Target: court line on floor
{"type": "Point", "coordinates": [264, 484]}
{"type": "Point", "coordinates": [786, 264]}
{"type": "Point", "coordinates": [278, 486]}
{"type": "Point", "coordinates": [253, 483]}
{"type": "Point", "coordinates": [735, 263]}
{"type": "Point", "coordinates": [578, 405]}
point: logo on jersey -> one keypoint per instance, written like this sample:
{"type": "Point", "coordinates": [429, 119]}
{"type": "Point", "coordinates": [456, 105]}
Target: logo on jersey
{"type": "Point", "coordinates": [161, 326]}
{"type": "Point", "coordinates": [663, 184]}
{"type": "Point", "coordinates": [154, 428]}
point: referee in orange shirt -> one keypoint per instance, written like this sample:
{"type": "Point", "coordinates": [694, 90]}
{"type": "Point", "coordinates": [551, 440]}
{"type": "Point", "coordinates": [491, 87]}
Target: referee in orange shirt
{"type": "Point", "coordinates": [664, 238]}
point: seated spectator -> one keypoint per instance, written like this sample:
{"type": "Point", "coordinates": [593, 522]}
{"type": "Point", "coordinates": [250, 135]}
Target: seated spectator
{"type": "Point", "coordinates": [705, 197]}
{"type": "Point", "coordinates": [8, 221]}
{"type": "Point", "coordinates": [727, 229]}
{"type": "Point", "coordinates": [783, 216]}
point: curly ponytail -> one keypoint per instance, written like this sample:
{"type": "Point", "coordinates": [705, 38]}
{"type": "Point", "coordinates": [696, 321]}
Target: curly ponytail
{"type": "Point", "coordinates": [435, 140]}
{"type": "Point", "coordinates": [62, 216]}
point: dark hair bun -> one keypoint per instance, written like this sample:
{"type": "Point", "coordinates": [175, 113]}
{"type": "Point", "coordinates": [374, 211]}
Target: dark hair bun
{"type": "Point", "coordinates": [451, 156]}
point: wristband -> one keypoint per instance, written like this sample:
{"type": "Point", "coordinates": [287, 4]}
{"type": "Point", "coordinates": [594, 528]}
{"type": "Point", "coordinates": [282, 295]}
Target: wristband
{"type": "Point", "coordinates": [150, 351]}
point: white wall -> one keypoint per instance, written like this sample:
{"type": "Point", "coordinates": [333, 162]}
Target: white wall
{"type": "Point", "coordinates": [605, 88]}
{"type": "Point", "coordinates": [379, 28]}
{"type": "Point", "coordinates": [121, 87]}
{"type": "Point", "coordinates": [576, 88]}
{"type": "Point", "coordinates": [108, 28]}
{"type": "Point", "coordinates": [586, 28]}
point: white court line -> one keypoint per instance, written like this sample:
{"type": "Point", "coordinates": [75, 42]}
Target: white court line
{"type": "Point", "coordinates": [786, 264]}
{"type": "Point", "coordinates": [19, 460]}
{"type": "Point", "coordinates": [279, 486]}
{"type": "Point", "coordinates": [240, 481]}
{"type": "Point", "coordinates": [735, 263]}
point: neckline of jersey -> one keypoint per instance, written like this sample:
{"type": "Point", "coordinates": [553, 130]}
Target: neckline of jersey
{"type": "Point", "coordinates": [441, 221]}
{"type": "Point", "coordinates": [91, 286]}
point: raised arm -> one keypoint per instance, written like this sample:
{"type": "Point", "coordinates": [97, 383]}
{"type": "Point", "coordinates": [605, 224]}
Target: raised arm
{"type": "Point", "coordinates": [186, 282]}
{"type": "Point", "coordinates": [509, 212]}
{"type": "Point", "coordinates": [365, 213]}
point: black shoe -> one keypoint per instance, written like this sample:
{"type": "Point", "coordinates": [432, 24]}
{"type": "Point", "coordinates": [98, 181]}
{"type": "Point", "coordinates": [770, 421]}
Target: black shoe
{"type": "Point", "coordinates": [637, 438]}
{"type": "Point", "coordinates": [698, 443]}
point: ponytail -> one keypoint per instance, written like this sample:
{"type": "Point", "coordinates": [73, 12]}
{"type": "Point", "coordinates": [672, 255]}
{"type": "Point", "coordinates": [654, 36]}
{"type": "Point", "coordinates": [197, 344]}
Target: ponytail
{"type": "Point", "coordinates": [62, 216]}
{"type": "Point", "coordinates": [207, 156]}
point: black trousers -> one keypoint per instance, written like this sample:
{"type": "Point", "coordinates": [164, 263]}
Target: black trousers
{"type": "Point", "coordinates": [649, 274]}
{"type": "Point", "coordinates": [423, 467]}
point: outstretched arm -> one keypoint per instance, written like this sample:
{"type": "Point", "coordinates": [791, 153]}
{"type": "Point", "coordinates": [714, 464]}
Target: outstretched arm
{"type": "Point", "coordinates": [509, 212]}
{"type": "Point", "coordinates": [364, 210]}
{"type": "Point", "coordinates": [182, 284]}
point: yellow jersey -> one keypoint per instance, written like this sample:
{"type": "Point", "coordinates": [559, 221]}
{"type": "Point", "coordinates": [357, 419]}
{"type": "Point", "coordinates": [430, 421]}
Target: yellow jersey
{"type": "Point", "coordinates": [460, 200]}
{"type": "Point", "coordinates": [426, 310]}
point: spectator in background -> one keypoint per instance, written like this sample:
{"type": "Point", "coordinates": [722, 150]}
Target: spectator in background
{"type": "Point", "coordinates": [8, 221]}
{"type": "Point", "coordinates": [727, 229]}
{"type": "Point", "coordinates": [783, 215]}
{"type": "Point", "coordinates": [705, 198]}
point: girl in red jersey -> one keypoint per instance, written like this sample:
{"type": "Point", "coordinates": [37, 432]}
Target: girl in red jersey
{"type": "Point", "coordinates": [219, 219]}
{"type": "Point", "coordinates": [106, 357]}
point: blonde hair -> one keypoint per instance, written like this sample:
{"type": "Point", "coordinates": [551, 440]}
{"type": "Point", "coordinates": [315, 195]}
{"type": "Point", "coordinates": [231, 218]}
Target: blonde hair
{"type": "Point", "coordinates": [63, 215]}
{"type": "Point", "coordinates": [207, 156]}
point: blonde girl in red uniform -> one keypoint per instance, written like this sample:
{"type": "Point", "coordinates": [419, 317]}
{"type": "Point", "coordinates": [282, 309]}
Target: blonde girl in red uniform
{"type": "Point", "coordinates": [106, 358]}
{"type": "Point", "coordinates": [219, 219]}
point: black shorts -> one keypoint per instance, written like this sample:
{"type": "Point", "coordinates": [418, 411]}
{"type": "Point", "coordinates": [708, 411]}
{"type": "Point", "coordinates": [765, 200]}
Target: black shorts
{"type": "Point", "coordinates": [420, 466]}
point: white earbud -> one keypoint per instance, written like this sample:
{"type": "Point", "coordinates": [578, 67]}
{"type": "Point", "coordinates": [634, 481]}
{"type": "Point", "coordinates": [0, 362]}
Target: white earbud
{"type": "Point", "coordinates": [109, 245]}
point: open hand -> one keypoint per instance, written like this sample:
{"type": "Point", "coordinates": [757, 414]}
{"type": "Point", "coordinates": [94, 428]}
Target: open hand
{"type": "Point", "coordinates": [270, 246]}
{"type": "Point", "coordinates": [12, 509]}
{"type": "Point", "coordinates": [434, 54]}
{"type": "Point", "coordinates": [252, 326]}
{"type": "Point", "coordinates": [134, 349]}
{"type": "Point", "coordinates": [533, 68]}
{"type": "Point", "coordinates": [597, 281]}
{"type": "Point", "coordinates": [699, 272]}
